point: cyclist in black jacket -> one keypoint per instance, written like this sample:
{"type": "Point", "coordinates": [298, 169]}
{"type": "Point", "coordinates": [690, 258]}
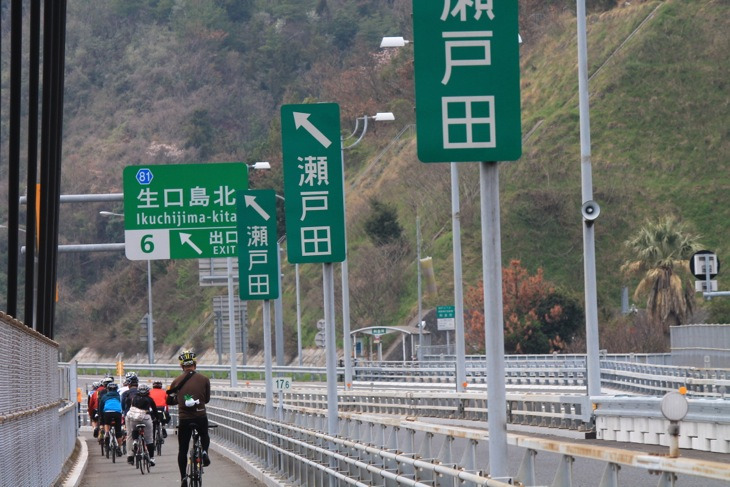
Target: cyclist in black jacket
{"type": "Point", "coordinates": [142, 411]}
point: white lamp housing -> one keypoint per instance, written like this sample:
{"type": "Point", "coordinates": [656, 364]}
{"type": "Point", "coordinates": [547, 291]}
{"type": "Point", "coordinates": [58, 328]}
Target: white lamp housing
{"type": "Point", "coordinates": [261, 165]}
{"type": "Point", "coordinates": [393, 42]}
{"type": "Point", "coordinates": [384, 117]}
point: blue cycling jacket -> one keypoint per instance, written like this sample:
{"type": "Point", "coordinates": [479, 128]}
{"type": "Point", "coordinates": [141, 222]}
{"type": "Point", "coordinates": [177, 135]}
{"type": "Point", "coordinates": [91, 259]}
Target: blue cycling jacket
{"type": "Point", "coordinates": [111, 403]}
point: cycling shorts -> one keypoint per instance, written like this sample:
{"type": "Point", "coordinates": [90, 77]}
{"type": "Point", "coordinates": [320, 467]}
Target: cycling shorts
{"type": "Point", "coordinates": [111, 418]}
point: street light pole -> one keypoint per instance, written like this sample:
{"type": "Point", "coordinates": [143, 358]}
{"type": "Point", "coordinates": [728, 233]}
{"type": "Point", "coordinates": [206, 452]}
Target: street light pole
{"type": "Point", "coordinates": [346, 337]}
{"type": "Point", "coordinates": [593, 365]}
{"type": "Point", "coordinates": [279, 310]}
{"type": "Point", "coordinates": [150, 331]}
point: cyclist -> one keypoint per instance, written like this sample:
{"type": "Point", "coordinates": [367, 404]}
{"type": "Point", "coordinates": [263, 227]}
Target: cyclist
{"type": "Point", "coordinates": [111, 408]}
{"type": "Point", "coordinates": [191, 400]}
{"type": "Point", "coordinates": [92, 404]}
{"type": "Point", "coordinates": [159, 395]}
{"type": "Point", "coordinates": [141, 411]}
{"type": "Point", "coordinates": [129, 394]}
{"type": "Point", "coordinates": [125, 384]}
{"type": "Point", "coordinates": [99, 394]}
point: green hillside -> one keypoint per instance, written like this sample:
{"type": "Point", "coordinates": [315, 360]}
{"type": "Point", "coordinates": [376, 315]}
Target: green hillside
{"type": "Point", "coordinates": [151, 82]}
{"type": "Point", "coordinates": [659, 125]}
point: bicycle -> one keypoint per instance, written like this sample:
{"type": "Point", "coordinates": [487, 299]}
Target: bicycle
{"type": "Point", "coordinates": [195, 461]}
{"type": "Point", "coordinates": [113, 444]}
{"type": "Point", "coordinates": [141, 455]}
{"type": "Point", "coordinates": [159, 440]}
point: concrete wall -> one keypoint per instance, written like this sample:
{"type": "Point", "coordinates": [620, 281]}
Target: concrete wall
{"type": "Point", "coordinates": [706, 346]}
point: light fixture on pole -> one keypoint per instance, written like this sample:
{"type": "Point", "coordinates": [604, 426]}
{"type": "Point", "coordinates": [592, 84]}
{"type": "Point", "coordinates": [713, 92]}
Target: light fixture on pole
{"type": "Point", "coordinates": [259, 165]}
{"type": "Point", "coordinates": [150, 321]}
{"type": "Point", "coordinates": [346, 337]}
{"type": "Point", "coordinates": [393, 42]}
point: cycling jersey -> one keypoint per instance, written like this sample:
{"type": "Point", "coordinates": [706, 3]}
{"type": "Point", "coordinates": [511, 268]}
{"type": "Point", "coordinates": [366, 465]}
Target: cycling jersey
{"type": "Point", "coordinates": [94, 399]}
{"type": "Point", "coordinates": [127, 399]}
{"type": "Point", "coordinates": [111, 403]}
{"type": "Point", "coordinates": [159, 396]}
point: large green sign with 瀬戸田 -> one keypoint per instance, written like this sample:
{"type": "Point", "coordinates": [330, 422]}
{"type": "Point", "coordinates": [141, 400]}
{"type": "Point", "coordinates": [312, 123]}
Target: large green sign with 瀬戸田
{"type": "Point", "coordinates": [467, 76]}
{"type": "Point", "coordinates": [258, 256]}
{"type": "Point", "coordinates": [313, 186]}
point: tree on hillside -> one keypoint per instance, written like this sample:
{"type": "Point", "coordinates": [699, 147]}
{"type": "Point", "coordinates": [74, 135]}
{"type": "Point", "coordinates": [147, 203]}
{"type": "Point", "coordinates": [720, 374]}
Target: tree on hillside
{"type": "Point", "coordinates": [382, 224]}
{"type": "Point", "coordinates": [661, 252]}
{"type": "Point", "coordinates": [537, 317]}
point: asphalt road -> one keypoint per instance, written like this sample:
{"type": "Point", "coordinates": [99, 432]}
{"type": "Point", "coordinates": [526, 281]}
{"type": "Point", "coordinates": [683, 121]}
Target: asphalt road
{"type": "Point", "coordinates": [101, 472]}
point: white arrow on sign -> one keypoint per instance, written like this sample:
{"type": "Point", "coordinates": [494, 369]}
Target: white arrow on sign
{"type": "Point", "coordinates": [185, 239]}
{"type": "Point", "coordinates": [251, 201]}
{"type": "Point", "coordinates": [302, 120]}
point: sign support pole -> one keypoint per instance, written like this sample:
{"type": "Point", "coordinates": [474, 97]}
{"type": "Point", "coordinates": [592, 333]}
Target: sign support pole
{"type": "Point", "coordinates": [458, 285]}
{"type": "Point", "coordinates": [150, 321]}
{"type": "Point", "coordinates": [231, 324]}
{"type": "Point", "coordinates": [328, 280]}
{"type": "Point", "coordinates": [493, 318]}
{"type": "Point", "coordinates": [268, 373]}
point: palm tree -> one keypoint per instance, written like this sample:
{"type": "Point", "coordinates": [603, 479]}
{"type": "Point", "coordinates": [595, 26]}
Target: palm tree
{"type": "Point", "coordinates": [662, 250]}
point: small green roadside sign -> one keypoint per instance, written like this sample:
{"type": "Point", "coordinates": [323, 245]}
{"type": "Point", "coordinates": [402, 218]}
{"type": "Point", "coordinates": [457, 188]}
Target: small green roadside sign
{"type": "Point", "coordinates": [258, 259]}
{"type": "Point", "coordinates": [182, 211]}
{"type": "Point", "coordinates": [313, 189]}
{"type": "Point", "coordinates": [467, 75]}
{"type": "Point", "coordinates": [445, 317]}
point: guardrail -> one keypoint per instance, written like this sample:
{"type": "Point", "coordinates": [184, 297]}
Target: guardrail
{"type": "Point", "coordinates": [521, 373]}
{"type": "Point", "coordinates": [390, 450]}
{"type": "Point", "coordinates": [639, 420]}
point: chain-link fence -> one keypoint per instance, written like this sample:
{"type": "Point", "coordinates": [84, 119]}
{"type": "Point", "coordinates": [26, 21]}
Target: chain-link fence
{"type": "Point", "coordinates": [38, 426]}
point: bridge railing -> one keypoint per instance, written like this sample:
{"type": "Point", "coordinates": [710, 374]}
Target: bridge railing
{"type": "Point", "coordinates": [37, 419]}
{"type": "Point", "coordinates": [377, 449]}
{"type": "Point", "coordinates": [522, 372]}
{"type": "Point", "coordinates": [639, 420]}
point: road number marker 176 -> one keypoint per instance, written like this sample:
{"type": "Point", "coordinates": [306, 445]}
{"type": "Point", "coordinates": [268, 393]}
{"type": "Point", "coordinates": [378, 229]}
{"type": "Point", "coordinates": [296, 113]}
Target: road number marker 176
{"type": "Point", "coordinates": [282, 384]}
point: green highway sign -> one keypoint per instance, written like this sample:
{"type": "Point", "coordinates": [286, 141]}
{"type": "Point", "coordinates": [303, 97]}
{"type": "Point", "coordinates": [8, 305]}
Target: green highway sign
{"type": "Point", "coordinates": [258, 259]}
{"type": "Point", "coordinates": [445, 317]}
{"type": "Point", "coordinates": [313, 187]}
{"type": "Point", "coordinates": [182, 211]}
{"type": "Point", "coordinates": [467, 75]}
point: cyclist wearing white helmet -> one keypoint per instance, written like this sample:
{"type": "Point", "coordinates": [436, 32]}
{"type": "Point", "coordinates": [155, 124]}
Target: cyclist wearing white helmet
{"type": "Point", "coordinates": [125, 384]}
